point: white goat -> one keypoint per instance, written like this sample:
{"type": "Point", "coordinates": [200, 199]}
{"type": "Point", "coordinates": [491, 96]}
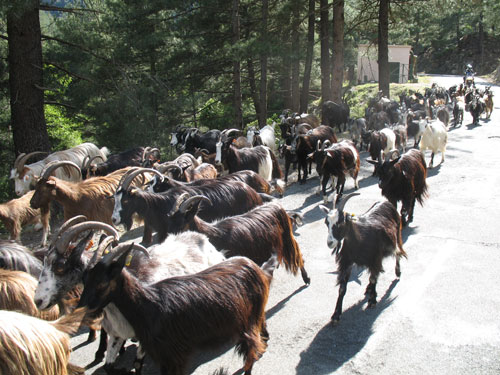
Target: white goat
{"type": "Point", "coordinates": [25, 176]}
{"type": "Point", "coordinates": [434, 138]}
{"type": "Point", "coordinates": [266, 134]}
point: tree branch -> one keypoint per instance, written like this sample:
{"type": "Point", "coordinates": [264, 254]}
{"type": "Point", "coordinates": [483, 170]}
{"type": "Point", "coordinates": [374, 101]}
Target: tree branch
{"type": "Point", "coordinates": [51, 102]}
{"type": "Point", "coordinates": [51, 8]}
{"type": "Point", "coordinates": [47, 37]}
{"type": "Point", "coordinates": [69, 73]}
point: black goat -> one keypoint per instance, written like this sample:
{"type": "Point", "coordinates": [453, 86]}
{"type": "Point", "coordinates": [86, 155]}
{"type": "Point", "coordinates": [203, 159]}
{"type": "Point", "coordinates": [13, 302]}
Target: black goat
{"type": "Point", "coordinates": [304, 145]}
{"type": "Point", "coordinates": [259, 159]}
{"type": "Point", "coordinates": [475, 105]}
{"type": "Point", "coordinates": [177, 316]}
{"type": "Point", "coordinates": [229, 198]}
{"type": "Point", "coordinates": [363, 240]}
{"type": "Point", "coordinates": [334, 114]}
{"type": "Point", "coordinates": [135, 157]}
{"type": "Point", "coordinates": [337, 161]}
{"type": "Point", "coordinates": [403, 179]}
{"type": "Point", "coordinates": [205, 141]}
{"type": "Point", "coordinates": [251, 178]}
{"type": "Point", "coordinates": [257, 234]}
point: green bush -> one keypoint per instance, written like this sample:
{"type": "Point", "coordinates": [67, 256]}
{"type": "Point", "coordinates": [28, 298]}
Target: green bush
{"type": "Point", "coordinates": [63, 132]}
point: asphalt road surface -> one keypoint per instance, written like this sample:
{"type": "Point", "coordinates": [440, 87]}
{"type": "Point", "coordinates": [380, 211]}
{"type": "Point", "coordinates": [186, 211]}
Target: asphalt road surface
{"type": "Point", "coordinates": [441, 317]}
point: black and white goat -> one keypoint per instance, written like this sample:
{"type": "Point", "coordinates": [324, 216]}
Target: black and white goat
{"type": "Point", "coordinates": [264, 136]}
{"type": "Point", "coordinates": [178, 316]}
{"type": "Point", "coordinates": [403, 179]}
{"type": "Point", "coordinates": [257, 234]}
{"type": "Point", "coordinates": [65, 264]}
{"type": "Point", "coordinates": [336, 161]}
{"type": "Point", "coordinates": [229, 198]}
{"type": "Point", "coordinates": [259, 159]}
{"type": "Point", "coordinates": [381, 141]}
{"type": "Point", "coordinates": [363, 240]}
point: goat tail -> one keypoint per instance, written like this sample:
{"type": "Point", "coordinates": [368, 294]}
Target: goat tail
{"type": "Point", "coordinates": [270, 265]}
{"type": "Point", "coordinates": [277, 172]}
{"type": "Point", "coordinates": [290, 254]}
{"type": "Point", "coordinates": [70, 323]}
{"type": "Point", "coordinates": [75, 370]}
{"type": "Point", "coordinates": [400, 252]}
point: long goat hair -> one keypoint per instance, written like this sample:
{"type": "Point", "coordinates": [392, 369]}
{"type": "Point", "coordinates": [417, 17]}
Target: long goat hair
{"type": "Point", "coordinates": [17, 291]}
{"type": "Point", "coordinates": [30, 346]}
{"type": "Point", "coordinates": [16, 257]}
{"type": "Point", "coordinates": [256, 234]}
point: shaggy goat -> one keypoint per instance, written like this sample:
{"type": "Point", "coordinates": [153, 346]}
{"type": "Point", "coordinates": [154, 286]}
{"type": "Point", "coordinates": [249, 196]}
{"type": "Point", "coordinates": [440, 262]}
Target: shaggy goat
{"type": "Point", "coordinates": [64, 266]}
{"type": "Point", "coordinates": [25, 176]}
{"type": "Point", "coordinates": [403, 179]}
{"type": "Point", "coordinates": [257, 234]}
{"type": "Point", "coordinates": [365, 240]}
{"type": "Point", "coordinates": [16, 257]}
{"type": "Point", "coordinates": [229, 198]}
{"type": "Point", "coordinates": [381, 141]}
{"type": "Point", "coordinates": [17, 213]}
{"type": "Point", "coordinates": [31, 346]}
{"type": "Point", "coordinates": [177, 316]}
{"type": "Point", "coordinates": [86, 197]}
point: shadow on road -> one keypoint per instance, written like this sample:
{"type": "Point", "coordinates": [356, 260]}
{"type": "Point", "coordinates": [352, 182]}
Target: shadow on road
{"type": "Point", "coordinates": [273, 310]}
{"type": "Point", "coordinates": [335, 345]}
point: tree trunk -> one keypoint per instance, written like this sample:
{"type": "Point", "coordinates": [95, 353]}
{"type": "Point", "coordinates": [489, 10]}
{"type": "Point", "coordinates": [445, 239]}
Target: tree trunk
{"type": "Point", "coordinates": [295, 56]}
{"type": "Point", "coordinates": [263, 66]}
{"type": "Point", "coordinates": [304, 97]}
{"type": "Point", "coordinates": [253, 87]}
{"type": "Point", "coordinates": [238, 111]}
{"type": "Point", "coordinates": [338, 50]}
{"type": "Point", "coordinates": [383, 48]}
{"type": "Point", "coordinates": [25, 75]}
{"type": "Point", "coordinates": [286, 82]}
{"type": "Point", "coordinates": [325, 53]}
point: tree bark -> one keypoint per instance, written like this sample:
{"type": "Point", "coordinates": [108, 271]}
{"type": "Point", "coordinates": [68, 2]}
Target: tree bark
{"type": "Point", "coordinates": [338, 50]}
{"type": "Point", "coordinates": [383, 48]}
{"type": "Point", "coordinates": [286, 81]}
{"type": "Point", "coordinates": [325, 53]}
{"type": "Point", "coordinates": [253, 87]}
{"type": "Point", "coordinates": [263, 66]}
{"type": "Point", "coordinates": [29, 129]}
{"type": "Point", "coordinates": [304, 97]}
{"type": "Point", "coordinates": [295, 56]}
{"type": "Point", "coordinates": [237, 100]}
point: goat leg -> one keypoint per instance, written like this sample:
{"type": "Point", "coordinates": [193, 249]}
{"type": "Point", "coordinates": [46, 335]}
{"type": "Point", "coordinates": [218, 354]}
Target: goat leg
{"type": "Point", "coordinates": [139, 360]}
{"type": "Point", "coordinates": [103, 341]}
{"type": "Point", "coordinates": [305, 276]}
{"type": "Point", "coordinates": [147, 237]}
{"type": "Point", "coordinates": [432, 160]}
{"type": "Point", "coordinates": [371, 290]}
{"type": "Point", "coordinates": [342, 281]}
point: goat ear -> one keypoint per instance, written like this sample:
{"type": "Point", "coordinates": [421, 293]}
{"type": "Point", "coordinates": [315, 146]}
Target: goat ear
{"type": "Point", "coordinates": [395, 160]}
{"type": "Point", "coordinates": [374, 162]}
{"type": "Point", "coordinates": [76, 254]}
{"type": "Point", "coordinates": [116, 267]}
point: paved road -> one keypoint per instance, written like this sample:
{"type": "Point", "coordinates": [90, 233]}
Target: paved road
{"type": "Point", "coordinates": [441, 317]}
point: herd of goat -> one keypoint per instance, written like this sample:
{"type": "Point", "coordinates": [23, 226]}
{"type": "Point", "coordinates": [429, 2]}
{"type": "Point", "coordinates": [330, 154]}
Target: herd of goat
{"type": "Point", "coordinates": [213, 233]}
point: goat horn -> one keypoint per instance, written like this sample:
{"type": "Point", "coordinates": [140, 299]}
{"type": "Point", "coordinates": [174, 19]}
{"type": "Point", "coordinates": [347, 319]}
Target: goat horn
{"type": "Point", "coordinates": [230, 131]}
{"type": "Point", "coordinates": [144, 152]}
{"type": "Point", "coordinates": [69, 223]}
{"type": "Point", "coordinates": [95, 157]}
{"type": "Point", "coordinates": [23, 158]}
{"type": "Point", "coordinates": [86, 162]}
{"type": "Point", "coordinates": [121, 249]}
{"type": "Point", "coordinates": [52, 166]}
{"type": "Point", "coordinates": [180, 199]}
{"type": "Point", "coordinates": [62, 243]}
{"type": "Point", "coordinates": [188, 202]}
{"type": "Point", "coordinates": [341, 206]}
{"type": "Point", "coordinates": [130, 177]}
{"type": "Point", "coordinates": [326, 144]}
{"type": "Point", "coordinates": [101, 249]}
{"type": "Point", "coordinates": [204, 151]}
{"type": "Point", "coordinates": [165, 168]}
{"type": "Point", "coordinates": [125, 175]}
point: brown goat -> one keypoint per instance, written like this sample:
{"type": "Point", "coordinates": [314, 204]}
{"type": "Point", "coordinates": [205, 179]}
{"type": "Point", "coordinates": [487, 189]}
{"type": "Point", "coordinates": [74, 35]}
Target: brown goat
{"type": "Point", "coordinates": [178, 316]}
{"type": "Point", "coordinates": [17, 292]}
{"type": "Point", "coordinates": [30, 346]}
{"type": "Point", "coordinates": [88, 197]}
{"type": "Point", "coordinates": [17, 213]}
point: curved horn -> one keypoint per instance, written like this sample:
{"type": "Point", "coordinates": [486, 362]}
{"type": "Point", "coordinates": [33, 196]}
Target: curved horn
{"type": "Point", "coordinates": [122, 249]}
{"type": "Point", "coordinates": [144, 153]}
{"type": "Point", "coordinates": [95, 157]}
{"type": "Point", "coordinates": [69, 223]}
{"type": "Point", "coordinates": [130, 177]}
{"type": "Point", "coordinates": [86, 162]}
{"type": "Point", "coordinates": [180, 199]}
{"type": "Point", "coordinates": [188, 202]}
{"type": "Point", "coordinates": [168, 167]}
{"type": "Point", "coordinates": [341, 206]}
{"type": "Point", "coordinates": [326, 144]}
{"type": "Point", "coordinates": [125, 175]}
{"type": "Point", "coordinates": [318, 145]}
{"type": "Point", "coordinates": [23, 158]}
{"type": "Point", "coordinates": [52, 166]}
{"type": "Point", "coordinates": [62, 243]}
{"type": "Point", "coordinates": [101, 249]}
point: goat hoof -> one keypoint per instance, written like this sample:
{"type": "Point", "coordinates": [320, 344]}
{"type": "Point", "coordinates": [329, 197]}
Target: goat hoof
{"type": "Point", "coordinates": [335, 319]}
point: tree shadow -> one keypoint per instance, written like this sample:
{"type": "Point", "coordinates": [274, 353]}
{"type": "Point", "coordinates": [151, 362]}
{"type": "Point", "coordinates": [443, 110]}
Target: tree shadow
{"type": "Point", "coordinates": [335, 345]}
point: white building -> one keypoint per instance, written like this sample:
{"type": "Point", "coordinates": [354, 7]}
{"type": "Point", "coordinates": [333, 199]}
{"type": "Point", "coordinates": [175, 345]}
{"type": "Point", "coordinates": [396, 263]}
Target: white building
{"type": "Point", "coordinates": [399, 63]}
